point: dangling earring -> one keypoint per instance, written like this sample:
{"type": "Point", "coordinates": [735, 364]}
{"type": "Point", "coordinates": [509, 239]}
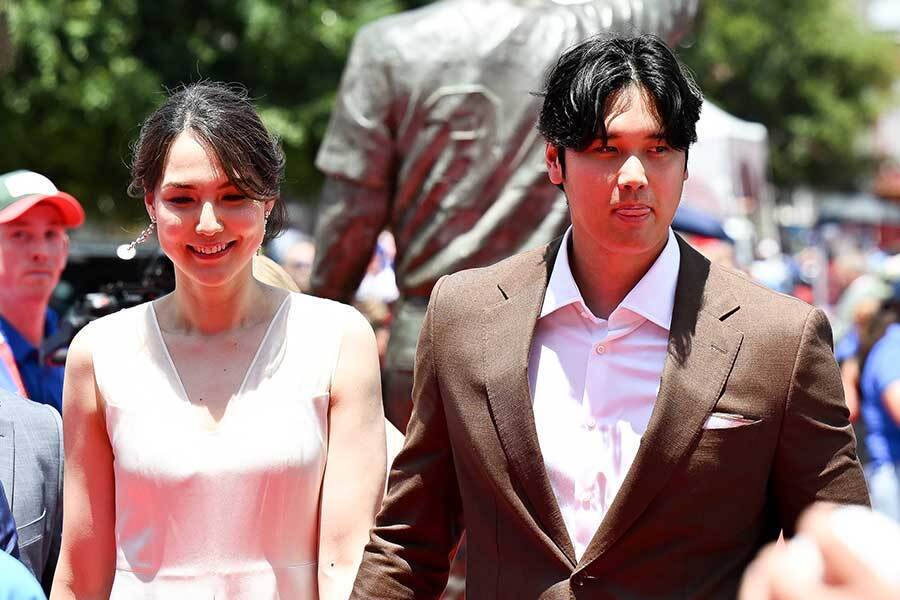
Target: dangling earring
{"type": "Point", "coordinates": [144, 235]}
{"type": "Point", "coordinates": [128, 252]}
{"type": "Point", "coordinates": [265, 228]}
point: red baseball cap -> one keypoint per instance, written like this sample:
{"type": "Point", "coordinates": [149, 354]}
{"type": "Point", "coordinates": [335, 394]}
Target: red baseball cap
{"type": "Point", "coordinates": [21, 190]}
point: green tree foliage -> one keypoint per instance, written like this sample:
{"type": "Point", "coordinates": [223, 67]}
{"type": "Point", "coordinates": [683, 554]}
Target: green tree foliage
{"type": "Point", "coordinates": [807, 69]}
{"type": "Point", "coordinates": [84, 73]}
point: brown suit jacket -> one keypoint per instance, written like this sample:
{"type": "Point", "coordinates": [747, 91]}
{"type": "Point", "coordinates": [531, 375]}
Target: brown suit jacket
{"type": "Point", "coordinates": [696, 504]}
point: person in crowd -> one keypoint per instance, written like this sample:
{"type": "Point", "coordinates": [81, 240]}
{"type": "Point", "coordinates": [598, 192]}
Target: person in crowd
{"type": "Point", "coordinates": [378, 313]}
{"type": "Point", "coordinates": [840, 553]}
{"type": "Point", "coordinates": [9, 539]}
{"type": "Point", "coordinates": [380, 282]}
{"type": "Point", "coordinates": [432, 137]}
{"type": "Point", "coordinates": [846, 351]}
{"type": "Point", "coordinates": [31, 472]}
{"type": "Point", "coordinates": [879, 383]}
{"type": "Point", "coordinates": [271, 273]}
{"type": "Point", "coordinates": [16, 582]}
{"type": "Point", "coordinates": [227, 439]}
{"type": "Point", "coordinates": [298, 261]}
{"type": "Point", "coordinates": [34, 246]}
{"type": "Point", "coordinates": [608, 433]}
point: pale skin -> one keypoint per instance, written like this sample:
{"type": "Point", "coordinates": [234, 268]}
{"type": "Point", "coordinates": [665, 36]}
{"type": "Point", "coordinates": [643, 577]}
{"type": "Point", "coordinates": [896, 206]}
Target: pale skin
{"type": "Point", "coordinates": [775, 574]}
{"type": "Point", "coordinates": [850, 381]}
{"type": "Point", "coordinates": [33, 252]}
{"type": "Point", "coordinates": [197, 208]}
{"type": "Point", "coordinates": [622, 198]}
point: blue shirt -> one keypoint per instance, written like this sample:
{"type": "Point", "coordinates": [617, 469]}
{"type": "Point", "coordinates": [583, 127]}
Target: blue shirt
{"type": "Point", "coordinates": [17, 582]}
{"type": "Point", "coordinates": [43, 383]}
{"type": "Point", "coordinates": [882, 368]}
{"type": "Point", "coordinates": [848, 347]}
{"type": "Point", "coordinates": [6, 380]}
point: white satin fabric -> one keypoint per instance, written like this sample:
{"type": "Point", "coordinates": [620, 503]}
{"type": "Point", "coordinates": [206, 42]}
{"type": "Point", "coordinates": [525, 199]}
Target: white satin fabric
{"type": "Point", "coordinates": [228, 513]}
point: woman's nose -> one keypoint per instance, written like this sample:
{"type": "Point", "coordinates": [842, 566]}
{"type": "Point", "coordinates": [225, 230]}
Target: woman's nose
{"type": "Point", "coordinates": [208, 224]}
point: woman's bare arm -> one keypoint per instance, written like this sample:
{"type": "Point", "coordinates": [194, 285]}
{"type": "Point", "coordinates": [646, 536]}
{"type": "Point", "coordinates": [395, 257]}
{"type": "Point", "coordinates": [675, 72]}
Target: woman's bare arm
{"type": "Point", "coordinates": [355, 470]}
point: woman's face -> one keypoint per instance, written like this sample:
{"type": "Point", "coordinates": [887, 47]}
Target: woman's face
{"type": "Point", "coordinates": [206, 226]}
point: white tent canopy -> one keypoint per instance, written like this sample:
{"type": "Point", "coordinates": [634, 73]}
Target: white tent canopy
{"type": "Point", "coordinates": [728, 165]}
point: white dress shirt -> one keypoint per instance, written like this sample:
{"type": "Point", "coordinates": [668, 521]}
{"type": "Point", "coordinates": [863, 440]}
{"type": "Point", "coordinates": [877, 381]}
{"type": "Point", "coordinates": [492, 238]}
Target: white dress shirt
{"type": "Point", "coordinates": [594, 383]}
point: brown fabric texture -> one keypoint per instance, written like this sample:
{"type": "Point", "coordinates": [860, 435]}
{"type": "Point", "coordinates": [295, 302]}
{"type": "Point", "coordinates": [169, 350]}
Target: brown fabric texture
{"type": "Point", "coordinates": [696, 504]}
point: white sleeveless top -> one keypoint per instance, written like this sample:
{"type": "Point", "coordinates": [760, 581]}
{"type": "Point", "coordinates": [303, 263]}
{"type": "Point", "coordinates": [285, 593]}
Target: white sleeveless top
{"type": "Point", "coordinates": [228, 513]}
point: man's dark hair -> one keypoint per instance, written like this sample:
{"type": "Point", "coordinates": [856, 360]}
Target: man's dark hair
{"type": "Point", "coordinates": [223, 119]}
{"type": "Point", "coordinates": [585, 81]}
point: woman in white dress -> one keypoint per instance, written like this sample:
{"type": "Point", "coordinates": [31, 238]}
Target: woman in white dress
{"type": "Point", "coordinates": [226, 440]}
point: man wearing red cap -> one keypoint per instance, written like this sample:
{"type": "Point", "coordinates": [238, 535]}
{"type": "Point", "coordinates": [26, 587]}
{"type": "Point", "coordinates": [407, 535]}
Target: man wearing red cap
{"type": "Point", "coordinates": [34, 246]}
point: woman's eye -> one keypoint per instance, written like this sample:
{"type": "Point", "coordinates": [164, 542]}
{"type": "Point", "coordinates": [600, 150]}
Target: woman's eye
{"type": "Point", "coordinates": [233, 198]}
{"type": "Point", "coordinates": [179, 199]}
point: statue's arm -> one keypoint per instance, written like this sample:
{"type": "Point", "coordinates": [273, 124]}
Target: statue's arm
{"type": "Point", "coordinates": [358, 158]}
{"type": "Point", "coordinates": [351, 215]}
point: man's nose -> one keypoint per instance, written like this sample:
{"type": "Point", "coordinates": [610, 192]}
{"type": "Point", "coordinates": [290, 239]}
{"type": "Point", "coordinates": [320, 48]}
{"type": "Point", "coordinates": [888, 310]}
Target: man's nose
{"type": "Point", "coordinates": [40, 251]}
{"type": "Point", "coordinates": [208, 224]}
{"type": "Point", "coordinates": [632, 176]}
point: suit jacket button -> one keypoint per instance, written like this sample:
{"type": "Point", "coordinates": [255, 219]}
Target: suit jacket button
{"type": "Point", "coordinates": [577, 580]}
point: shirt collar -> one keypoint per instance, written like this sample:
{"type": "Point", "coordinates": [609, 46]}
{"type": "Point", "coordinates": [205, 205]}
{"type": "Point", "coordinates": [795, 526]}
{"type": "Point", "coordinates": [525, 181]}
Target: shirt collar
{"type": "Point", "coordinates": [21, 349]}
{"type": "Point", "coordinates": [653, 297]}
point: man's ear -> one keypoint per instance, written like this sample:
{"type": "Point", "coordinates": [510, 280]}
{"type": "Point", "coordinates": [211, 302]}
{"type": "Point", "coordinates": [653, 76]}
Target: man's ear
{"type": "Point", "coordinates": [685, 174]}
{"type": "Point", "coordinates": [554, 165]}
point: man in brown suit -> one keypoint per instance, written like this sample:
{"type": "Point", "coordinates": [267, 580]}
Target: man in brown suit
{"type": "Point", "coordinates": [611, 416]}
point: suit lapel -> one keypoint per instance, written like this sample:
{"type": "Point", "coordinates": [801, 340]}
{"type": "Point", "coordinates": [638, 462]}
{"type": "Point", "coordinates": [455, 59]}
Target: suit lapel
{"type": "Point", "coordinates": [7, 457]}
{"type": "Point", "coordinates": [702, 351]}
{"type": "Point", "coordinates": [508, 329]}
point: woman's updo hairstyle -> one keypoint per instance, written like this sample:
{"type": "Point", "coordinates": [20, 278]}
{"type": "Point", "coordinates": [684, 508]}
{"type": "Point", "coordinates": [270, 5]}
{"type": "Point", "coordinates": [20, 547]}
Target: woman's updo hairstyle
{"type": "Point", "coordinates": [224, 120]}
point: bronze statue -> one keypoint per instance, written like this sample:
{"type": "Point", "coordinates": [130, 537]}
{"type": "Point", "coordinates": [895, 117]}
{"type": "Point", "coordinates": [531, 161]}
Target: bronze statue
{"type": "Point", "coordinates": [432, 137]}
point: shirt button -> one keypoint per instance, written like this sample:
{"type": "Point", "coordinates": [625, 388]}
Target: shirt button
{"type": "Point", "coordinates": [600, 349]}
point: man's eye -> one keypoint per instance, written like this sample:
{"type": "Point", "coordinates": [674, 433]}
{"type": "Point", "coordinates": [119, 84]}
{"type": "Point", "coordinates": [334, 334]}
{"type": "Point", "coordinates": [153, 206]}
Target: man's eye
{"type": "Point", "coordinates": [19, 235]}
{"type": "Point", "coordinates": [660, 149]}
{"type": "Point", "coordinates": [605, 149]}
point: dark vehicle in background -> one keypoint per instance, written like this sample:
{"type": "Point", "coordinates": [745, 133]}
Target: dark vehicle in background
{"type": "Point", "coordinates": [97, 282]}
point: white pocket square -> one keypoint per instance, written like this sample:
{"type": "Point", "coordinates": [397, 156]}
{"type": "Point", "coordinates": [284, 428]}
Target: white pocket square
{"type": "Point", "coordinates": [727, 421]}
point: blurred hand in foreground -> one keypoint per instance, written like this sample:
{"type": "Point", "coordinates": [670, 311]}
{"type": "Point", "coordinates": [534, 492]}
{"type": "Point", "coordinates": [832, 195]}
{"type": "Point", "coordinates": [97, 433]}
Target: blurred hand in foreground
{"type": "Point", "coordinates": [839, 553]}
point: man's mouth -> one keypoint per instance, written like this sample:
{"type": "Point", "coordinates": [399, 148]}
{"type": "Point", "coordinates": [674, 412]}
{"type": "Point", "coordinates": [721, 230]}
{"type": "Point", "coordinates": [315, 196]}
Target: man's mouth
{"type": "Point", "coordinates": [211, 250]}
{"type": "Point", "coordinates": [635, 212]}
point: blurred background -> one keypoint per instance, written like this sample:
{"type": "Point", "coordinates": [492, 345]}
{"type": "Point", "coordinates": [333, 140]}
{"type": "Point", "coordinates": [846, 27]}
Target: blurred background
{"type": "Point", "coordinates": [795, 179]}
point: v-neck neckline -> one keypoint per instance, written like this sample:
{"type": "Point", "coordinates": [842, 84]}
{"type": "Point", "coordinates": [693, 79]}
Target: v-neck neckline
{"type": "Point", "coordinates": [174, 369]}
